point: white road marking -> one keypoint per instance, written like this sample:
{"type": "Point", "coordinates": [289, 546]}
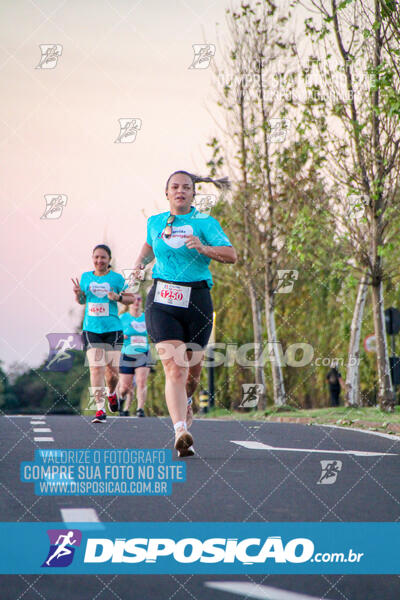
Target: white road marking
{"type": "Point", "coordinates": [79, 515]}
{"type": "Point", "coordinates": [38, 423]}
{"type": "Point", "coordinates": [253, 590]}
{"type": "Point", "coordinates": [88, 516]}
{"type": "Point", "coordinates": [43, 439]}
{"type": "Point", "coordinates": [388, 436]}
{"type": "Point", "coordinates": [27, 416]}
{"type": "Point", "coordinates": [259, 446]}
{"type": "Point", "coordinates": [41, 430]}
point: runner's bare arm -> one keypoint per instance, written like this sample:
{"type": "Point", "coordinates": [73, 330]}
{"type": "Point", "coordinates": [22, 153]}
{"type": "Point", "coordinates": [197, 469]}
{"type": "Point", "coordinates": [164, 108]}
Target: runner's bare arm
{"type": "Point", "coordinates": [145, 257]}
{"type": "Point", "coordinates": [126, 298]}
{"type": "Point", "coordinates": [224, 254]}
{"type": "Point", "coordinates": [122, 298]}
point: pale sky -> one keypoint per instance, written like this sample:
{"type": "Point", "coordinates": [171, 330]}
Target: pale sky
{"type": "Point", "coordinates": [120, 59]}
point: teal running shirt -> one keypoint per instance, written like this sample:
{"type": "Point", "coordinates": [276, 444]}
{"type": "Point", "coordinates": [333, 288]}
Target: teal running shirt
{"type": "Point", "coordinates": [135, 329]}
{"type": "Point", "coordinates": [101, 314]}
{"type": "Point", "coordinates": [176, 262]}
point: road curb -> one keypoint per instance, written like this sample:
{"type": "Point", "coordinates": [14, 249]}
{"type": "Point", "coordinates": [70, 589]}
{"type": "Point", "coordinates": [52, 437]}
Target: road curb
{"type": "Point", "coordinates": [371, 425]}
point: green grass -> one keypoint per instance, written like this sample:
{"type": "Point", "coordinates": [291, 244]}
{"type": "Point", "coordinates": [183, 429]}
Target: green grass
{"type": "Point", "coordinates": [348, 416]}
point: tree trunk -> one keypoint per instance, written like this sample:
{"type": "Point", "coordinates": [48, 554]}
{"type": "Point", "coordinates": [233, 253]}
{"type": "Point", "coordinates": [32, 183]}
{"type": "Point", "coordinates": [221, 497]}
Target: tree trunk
{"type": "Point", "coordinates": [248, 234]}
{"type": "Point", "coordinates": [275, 356]}
{"type": "Point", "coordinates": [386, 395]}
{"type": "Point", "coordinates": [353, 367]}
{"type": "Point", "coordinates": [258, 340]}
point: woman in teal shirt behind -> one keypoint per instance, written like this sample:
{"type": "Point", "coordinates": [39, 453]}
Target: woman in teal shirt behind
{"type": "Point", "coordinates": [135, 357]}
{"type": "Point", "coordinates": [100, 290]}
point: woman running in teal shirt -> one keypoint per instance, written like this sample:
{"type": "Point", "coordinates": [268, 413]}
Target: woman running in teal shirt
{"type": "Point", "coordinates": [179, 311]}
{"type": "Point", "coordinates": [135, 357]}
{"type": "Point", "coordinates": [100, 290]}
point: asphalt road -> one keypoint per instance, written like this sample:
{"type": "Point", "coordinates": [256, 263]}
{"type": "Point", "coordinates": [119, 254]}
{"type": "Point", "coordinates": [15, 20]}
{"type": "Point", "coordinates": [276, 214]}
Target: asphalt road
{"type": "Point", "coordinates": [239, 473]}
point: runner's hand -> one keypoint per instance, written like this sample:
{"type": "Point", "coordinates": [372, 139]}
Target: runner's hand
{"type": "Point", "coordinates": [193, 242]}
{"type": "Point", "coordinates": [76, 287]}
{"type": "Point", "coordinates": [113, 296]}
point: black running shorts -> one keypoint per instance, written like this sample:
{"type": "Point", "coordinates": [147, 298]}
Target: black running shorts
{"type": "Point", "coordinates": [110, 340]}
{"type": "Point", "coordinates": [129, 362]}
{"type": "Point", "coordinates": [191, 325]}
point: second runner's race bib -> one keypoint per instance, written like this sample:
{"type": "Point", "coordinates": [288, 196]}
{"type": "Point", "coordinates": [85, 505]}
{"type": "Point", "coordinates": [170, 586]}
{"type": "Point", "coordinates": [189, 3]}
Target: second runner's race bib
{"type": "Point", "coordinates": [138, 340]}
{"type": "Point", "coordinates": [98, 309]}
{"type": "Point", "coordinates": [172, 294]}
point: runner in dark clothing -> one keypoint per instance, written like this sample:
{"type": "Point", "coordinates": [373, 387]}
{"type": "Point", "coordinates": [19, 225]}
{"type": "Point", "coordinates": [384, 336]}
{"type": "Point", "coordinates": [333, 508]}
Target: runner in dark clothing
{"type": "Point", "coordinates": [335, 382]}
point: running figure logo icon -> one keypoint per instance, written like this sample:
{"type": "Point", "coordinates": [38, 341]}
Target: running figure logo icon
{"type": "Point", "coordinates": [62, 547]}
{"type": "Point", "coordinates": [54, 206]}
{"type": "Point", "coordinates": [286, 279]}
{"type": "Point", "coordinates": [50, 55]}
{"type": "Point", "coordinates": [278, 129]}
{"type": "Point", "coordinates": [204, 203]}
{"type": "Point", "coordinates": [128, 130]}
{"type": "Point", "coordinates": [203, 54]}
{"type": "Point", "coordinates": [251, 394]}
{"type": "Point", "coordinates": [357, 205]}
{"type": "Point", "coordinates": [96, 396]}
{"type": "Point", "coordinates": [60, 358]}
{"type": "Point", "coordinates": [330, 470]}
{"type": "Point", "coordinates": [132, 282]}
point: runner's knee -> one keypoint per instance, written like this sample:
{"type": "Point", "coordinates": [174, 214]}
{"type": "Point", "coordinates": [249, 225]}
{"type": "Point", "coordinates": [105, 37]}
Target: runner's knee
{"type": "Point", "coordinates": [175, 373]}
{"type": "Point", "coordinates": [124, 388]}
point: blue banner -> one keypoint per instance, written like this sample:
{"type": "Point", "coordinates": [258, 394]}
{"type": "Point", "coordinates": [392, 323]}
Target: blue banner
{"type": "Point", "coordinates": [200, 548]}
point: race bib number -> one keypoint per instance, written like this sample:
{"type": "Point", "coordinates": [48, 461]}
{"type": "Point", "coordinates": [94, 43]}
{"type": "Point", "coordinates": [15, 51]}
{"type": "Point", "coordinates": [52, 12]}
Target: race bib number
{"type": "Point", "coordinates": [138, 340]}
{"type": "Point", "coordinates": [172, 294]}
{"type": "Point", "coordinates": [98, 309]}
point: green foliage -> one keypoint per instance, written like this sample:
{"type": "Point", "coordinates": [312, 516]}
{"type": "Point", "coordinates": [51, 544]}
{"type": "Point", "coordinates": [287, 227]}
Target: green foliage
{"type": "Point", "coordinates": [38, 391]}
{"type": "Point", "coordinates": [6, 397]}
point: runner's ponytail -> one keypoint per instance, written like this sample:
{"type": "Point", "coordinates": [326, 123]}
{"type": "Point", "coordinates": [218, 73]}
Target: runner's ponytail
{"type": "Point", "coordinates": [222, 184]}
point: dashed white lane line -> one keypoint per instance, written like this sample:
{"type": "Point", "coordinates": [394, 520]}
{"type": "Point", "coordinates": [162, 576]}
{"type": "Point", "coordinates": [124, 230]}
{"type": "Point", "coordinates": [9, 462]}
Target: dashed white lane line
{"type": "Point", "coordinates": [259, 446]}
{"type": "Point", "coordinates": [27, 416]}
{"type": "Point", "coordinates": [88, 516]}
{"type": "Point", "coordinates": [259, 592]}
{"type": "Point", "coordinates": [41, 421]}
{"type": "Point", "coordinates": [78, 515]}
